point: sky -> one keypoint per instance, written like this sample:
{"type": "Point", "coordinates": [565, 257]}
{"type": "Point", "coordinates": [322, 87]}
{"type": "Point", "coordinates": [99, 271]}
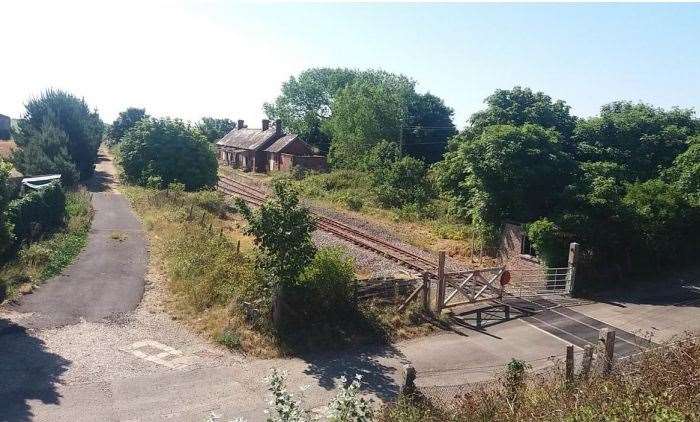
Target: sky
{"type": "Point", "coordinates": [191, 59]}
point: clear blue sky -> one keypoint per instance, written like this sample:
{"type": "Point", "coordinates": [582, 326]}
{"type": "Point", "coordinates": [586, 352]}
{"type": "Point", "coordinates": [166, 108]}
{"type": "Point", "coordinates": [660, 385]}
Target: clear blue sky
{"type": "Point", "coordinates": [189, 59]}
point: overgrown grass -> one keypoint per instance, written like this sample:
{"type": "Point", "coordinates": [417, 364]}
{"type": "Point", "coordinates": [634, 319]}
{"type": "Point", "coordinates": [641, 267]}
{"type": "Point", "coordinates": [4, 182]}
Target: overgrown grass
{"type": "Point", "coordinates": [659, 385]}
{"type": "Point", "coordinates": [38, 261]}
{"type": "Point", "coordinates": [221, 292]}
{"type": "Point", "coordinates": [431, 226]}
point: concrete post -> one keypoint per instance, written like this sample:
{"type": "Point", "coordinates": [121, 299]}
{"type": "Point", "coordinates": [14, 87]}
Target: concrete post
{"type": "Point", "coordinates": [569, 364]}
{"type": "Point", "coordinates": [573, 261]}
{"type": "Point", "coordinates": [408, 386]}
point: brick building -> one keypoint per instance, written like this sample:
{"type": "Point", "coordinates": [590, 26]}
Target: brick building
{"type": "Point", "coordinates": [267, 149]}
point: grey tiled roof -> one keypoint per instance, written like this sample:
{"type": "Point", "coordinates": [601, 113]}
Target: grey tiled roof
{"type": "Point", "coordinates": [252, 139]}
{"type": "Point", "coordinates": [282, 142]}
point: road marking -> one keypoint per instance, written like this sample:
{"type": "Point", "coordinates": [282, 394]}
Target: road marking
{"type": "Point", "coordinates": [159, 353]}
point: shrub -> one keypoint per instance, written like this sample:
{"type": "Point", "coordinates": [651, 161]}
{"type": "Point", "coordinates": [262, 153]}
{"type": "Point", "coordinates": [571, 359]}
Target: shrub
{"type": "Point", "coordinates": [548, 241]}
{"type": "Point", "coordinates": [5, 223]}
{"type": "Point", "coordinates": [45, 151]}
{"type": "Point", "coordinates": [402, 182]}
{"type": "Point", "coordinates": [170, 150]}
{"type": "Point", "coordinates": [327, 287]}
{"type": "Point", "coordinates": [38, 212]}
{"type": "Point", "coordinates": [281, 228]}
{"type": "Point", "coordinates": [83, 130]}
{"type": "Point", "coordinates": [125, 121]}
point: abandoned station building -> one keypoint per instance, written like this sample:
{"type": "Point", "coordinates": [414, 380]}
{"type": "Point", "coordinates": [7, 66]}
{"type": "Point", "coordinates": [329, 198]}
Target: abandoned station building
{"type": "Point", "coordinates": [267, 149]}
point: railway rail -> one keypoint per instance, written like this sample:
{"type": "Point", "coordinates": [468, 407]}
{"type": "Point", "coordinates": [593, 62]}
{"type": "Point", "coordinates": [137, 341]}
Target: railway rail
{"type": "Point", "coordinates": [351, 234]}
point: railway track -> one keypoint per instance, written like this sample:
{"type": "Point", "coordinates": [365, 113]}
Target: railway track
{"type": "Point", "coordinates": [351, 234]}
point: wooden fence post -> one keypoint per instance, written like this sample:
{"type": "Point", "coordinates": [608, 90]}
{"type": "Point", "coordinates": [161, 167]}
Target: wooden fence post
{"type": "Point", "coordinates": [607, 338]}
{"type": "Point", "coordinates": [586, 361]}
{"type": "Point", "coordinates": [426, 291]}
{"type": "Point", "coordinates": [441, 283]}
{"type": "Point", "coordinates": [573, 261]}
{"type": "Point", "coordinates": [201, 221]}
{"type": "Point", "coordinates": [569, 364]}
{"type": "Point", "coordinates": [238, 247]}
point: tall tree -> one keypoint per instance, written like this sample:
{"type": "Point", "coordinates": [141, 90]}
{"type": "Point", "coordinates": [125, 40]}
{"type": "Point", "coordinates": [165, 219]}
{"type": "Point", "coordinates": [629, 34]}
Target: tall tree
{"type": "Point", "coordinates": [519, 173]}
{"type": "Point", "coordinates": [638, 137]}
{"type": "Point", "coordinates": [519, 106]}
{"type": "Point", "coordinates": [306, 100]}
{"type": "Point", "coordinates": [125, 121]}
{"type": "Point", "coordinates": [214, 129]}
{"type": "Point", "coordinates": [71, 115]}
{"type": "Point", "coordinates": [44, 150]}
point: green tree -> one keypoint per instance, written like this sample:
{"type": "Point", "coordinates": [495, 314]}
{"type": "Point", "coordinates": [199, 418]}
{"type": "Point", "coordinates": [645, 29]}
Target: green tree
{"type": "Point", "coordinates": [125, 121]}
{"type": "Point", "coordinates": [685, 172]}
{"type": "Point", "coordinates": [5, 198]}
{"type": "Point", "coordinates": [402, 182]}
{"type": "Point", "coordinates": [82, 128]}
{"type": "Point", "coordinates": [642, 139]}
{"type": "Point", "coordinates": [163, 151]}
{"type": "Point", "coordinates": [548, 241]}
{"type": "Point", "coordinates": [364, 113]}
{"type": "Point", "coordinates": [667, 227]}
{"type": "Point", "coordinates": [214, 129]}
{"type": "Point", "coordinates": [282, 229]}
{"type": "Point", "coordinates": [305, 102]}
{"type": "Point", "coordinates": [519, 106]}
{"type": "Point", "coordinates": [44, 150]}
{"type": "Point", "coordinates": [428, 128]}
{"type": "Point", "coordinates": [508, 172]}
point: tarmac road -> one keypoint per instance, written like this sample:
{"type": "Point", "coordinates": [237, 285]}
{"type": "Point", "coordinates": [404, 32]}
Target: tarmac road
{"type": "Point", "coordinates": [107, 278]}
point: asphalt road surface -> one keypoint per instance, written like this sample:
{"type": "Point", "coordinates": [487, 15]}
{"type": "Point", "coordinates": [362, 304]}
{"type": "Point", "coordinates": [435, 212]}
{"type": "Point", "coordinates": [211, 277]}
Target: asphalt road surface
{"type": "Point", "coordinates": [107, 278]}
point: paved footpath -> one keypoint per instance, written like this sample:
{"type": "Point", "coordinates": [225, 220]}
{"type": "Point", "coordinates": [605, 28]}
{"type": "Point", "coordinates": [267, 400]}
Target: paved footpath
{"type": "Point", "coordinates": [95, 344]}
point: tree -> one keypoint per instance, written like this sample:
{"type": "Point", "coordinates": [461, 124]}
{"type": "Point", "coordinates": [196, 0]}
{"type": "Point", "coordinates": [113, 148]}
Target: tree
{"type": "Point", "coordinates": [428, 128]}
{"type": "Point", "coordinates": [519, 106]}
{"type": "Point", "coordinates": [214, 129]}
{"type": "Point", "coordinates": [163, 151]}
{"type": "Point", "coordinates": [5, 197]}
{"type": "Point", "coordinates": [640, 138]}
{"type": "Point", "coordinates": [508, 172]}
{"type": "Point", "coordinates": [44, 150]}
{"type": "Point", "coordinates": [685, 172]}
{"type": "Point", "coordinates": [340, 109]}
{"type": "Point", "coordinates": [282, 229]}
{"type": "Point", "coordinates": [126, 120]}
{"type": "Point", "coordinates": [402, 182]}
{"type": "Point", "coordinates": [306, 100]}
{"type": "Point", "coordinates": [71, 115]}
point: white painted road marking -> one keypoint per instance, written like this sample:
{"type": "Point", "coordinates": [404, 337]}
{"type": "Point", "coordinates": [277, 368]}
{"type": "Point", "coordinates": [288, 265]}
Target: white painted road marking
{"type": "Point", "coordinates": [164, 355]}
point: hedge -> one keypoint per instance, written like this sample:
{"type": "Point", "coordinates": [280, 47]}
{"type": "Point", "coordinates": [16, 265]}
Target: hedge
{"type": "Point", "coordinates": [37, 212]}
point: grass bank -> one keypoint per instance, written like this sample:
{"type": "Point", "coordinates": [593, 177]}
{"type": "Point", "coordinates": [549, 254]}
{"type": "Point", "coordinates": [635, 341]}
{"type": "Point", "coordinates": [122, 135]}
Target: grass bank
{"type": "Point", "coordinates": [660, 385]}
{"type": "Point", "coordinates": [215, 287]}
{"type": "Point", "coordinates": [43, 259]}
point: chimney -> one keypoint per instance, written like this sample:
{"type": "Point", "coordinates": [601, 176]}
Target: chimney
{"type": "Point", "coordinates": [266, 124]}
{"type": "Point", "coordinates": [278, 124]}
{"type": "Point", "coordinates": [240, 124]}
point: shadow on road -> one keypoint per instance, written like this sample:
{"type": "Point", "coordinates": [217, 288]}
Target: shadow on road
{"type": "Point", "coordinates": [102, 180]}
{"type": "Point", "coordinates": [681, 288]}
{"type": "Point", "coordinates": [377, 377]}
{"type": "Point", "coordinates": [27, 372]}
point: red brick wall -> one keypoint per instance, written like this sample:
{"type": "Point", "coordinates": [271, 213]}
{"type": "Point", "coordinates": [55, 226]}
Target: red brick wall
{"type": "Point", "coordinates": [511, 245]}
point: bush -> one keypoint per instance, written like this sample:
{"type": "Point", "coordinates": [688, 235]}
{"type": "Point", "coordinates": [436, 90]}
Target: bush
{"type": "Point", "coordinates": [162, 151]}
{"type": "Point", "coordinates": [126, 120]}
{"type": "Point", "coordinates": [45, 151]}
{"type": "Point", "coordinates": [548, 241]}
{"type": "Point", "coordinates": [402, 182]}
{"type": "Point", "coordinates": [327, 288]}
{"type": "Point", "coordinates": [37, 212]}
{"type": "Point", "coordinates": [83, 130]}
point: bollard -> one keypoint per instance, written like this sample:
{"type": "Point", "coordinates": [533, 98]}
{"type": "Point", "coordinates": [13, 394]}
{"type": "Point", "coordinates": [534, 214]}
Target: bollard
{"type": "Point", "coordinates": [408, 386]}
